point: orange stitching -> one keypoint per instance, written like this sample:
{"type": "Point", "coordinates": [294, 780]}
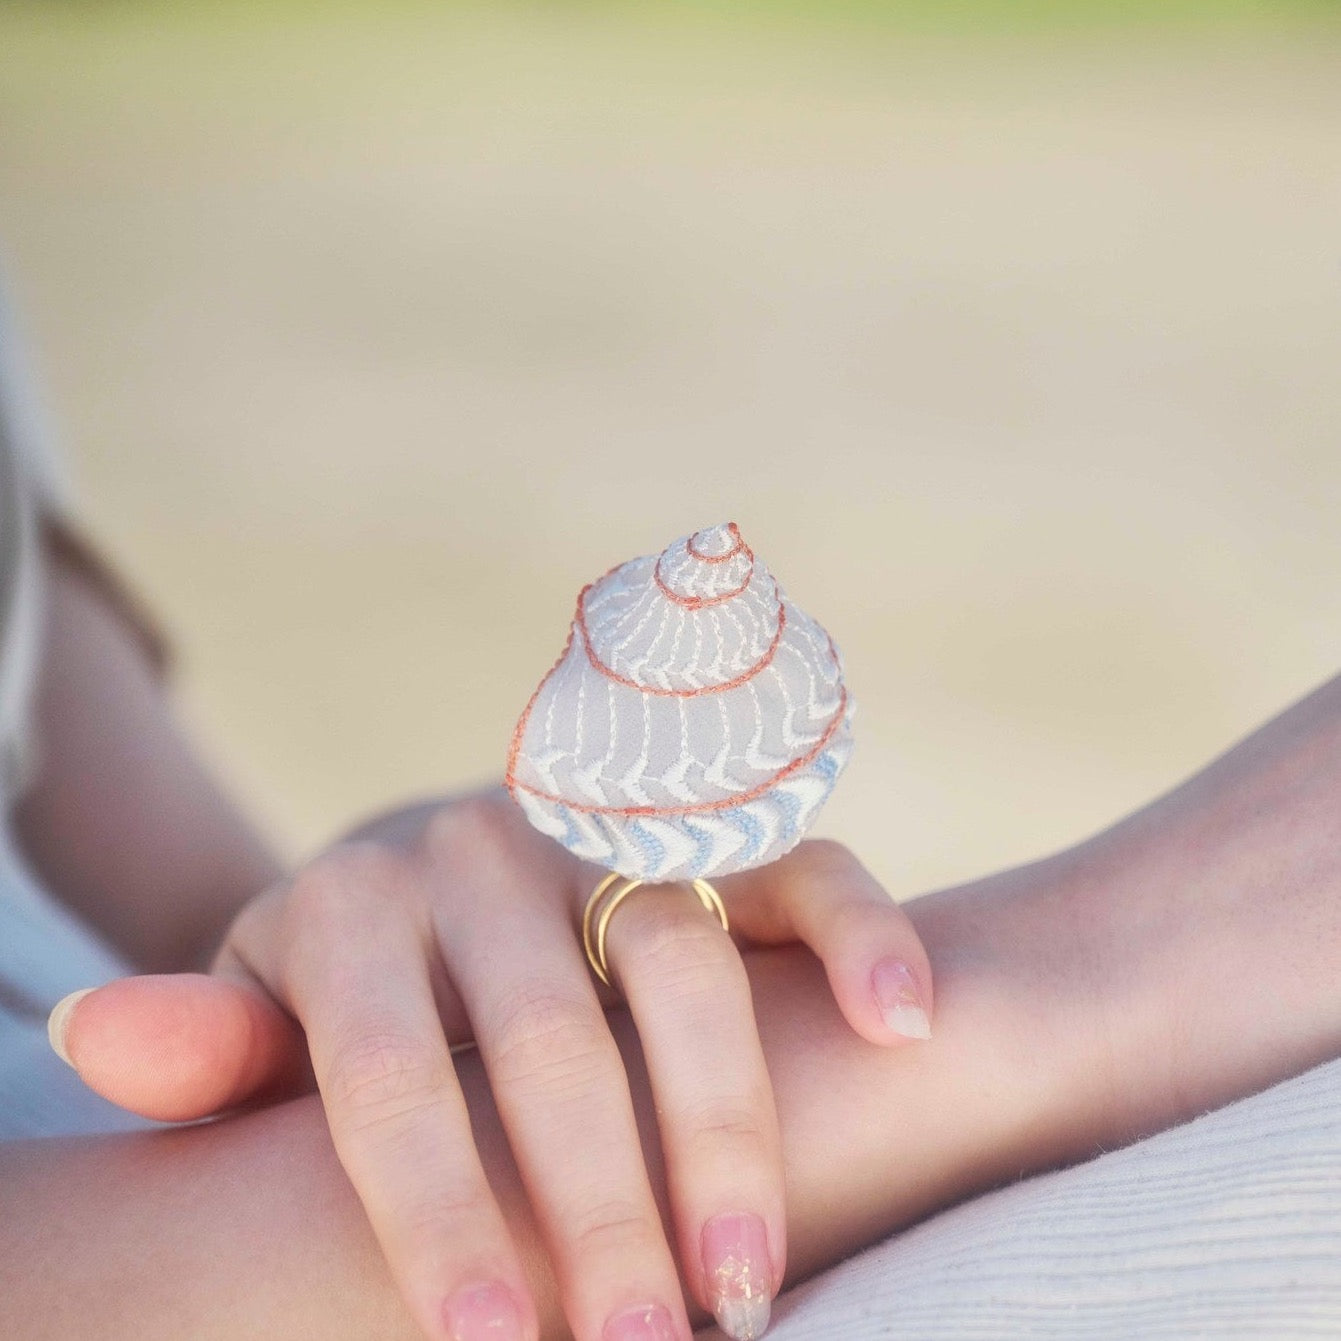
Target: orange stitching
{"type": "Point", "coordinates": [701, 602]}
{"type": "Point", "coordinates": [580, 619]}
{"type": "Point", "coordinates": [719, 558]}
{"type": "Point", "coordinates": [702, 807]}
{"type": "Point", "coordinates": [725, 803]}
{"type": "Point", "coordinates": [514, 745]}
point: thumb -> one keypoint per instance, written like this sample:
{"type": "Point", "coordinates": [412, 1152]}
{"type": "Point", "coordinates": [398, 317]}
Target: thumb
{"type": "Point", "coordinates": [181, 1045]}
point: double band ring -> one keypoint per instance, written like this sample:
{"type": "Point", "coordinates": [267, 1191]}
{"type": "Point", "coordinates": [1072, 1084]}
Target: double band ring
{"type": "Point", "coordinates": [608, 895]}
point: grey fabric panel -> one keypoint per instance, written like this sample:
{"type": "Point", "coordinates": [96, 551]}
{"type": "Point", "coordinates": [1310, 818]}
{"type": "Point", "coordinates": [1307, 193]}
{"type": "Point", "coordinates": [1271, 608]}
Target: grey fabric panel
{"type": "Point", "coordinates": [30, 481]}
{"type": "Point", "coordinates": [24, 423]}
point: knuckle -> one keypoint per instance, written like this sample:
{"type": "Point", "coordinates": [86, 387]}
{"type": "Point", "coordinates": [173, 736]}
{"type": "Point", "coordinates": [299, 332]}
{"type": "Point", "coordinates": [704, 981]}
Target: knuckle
{"type": "Point", "coordinates": [452, 1214]}
{"type": "Point", "coordinates": [312, 894]}
{"type": "Point", "coordinates": [677, 949]}
{"type": "Point", "coordinates": [851, 920]}
{"type": "Point", "coordinates": [736, 1131]}
{"type": "Point", "coordinates": [251, 921]}
{"type": "Point", "coordinates": [549, 1035]}
{"type": "Point", "coordinates": [616, 1228]}
{"type": "Point", "coordinates": [378, 1078]}
{"type": "Point", "coordinates": [865, 926]}
{"type": "Point", "coordinates": [316, 909]}
{"type": "Point", "coordinates": [355, 863]}
{"type": "Point", "coordinates": [825, 856]}
{"type": "Point", "coordinates": [341, 876]}
{"type": "Point", "coordinates": [478, 827]}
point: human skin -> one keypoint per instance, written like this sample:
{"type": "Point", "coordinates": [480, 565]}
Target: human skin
{"type": "Point", "coordinates": [1183, 958]}
{"type": "Point", "coordinates": [122, 820]}
{"type": "Point", "coordinates": [125, 866]}
{"type": "Point", "coordinates": [390, 946]}
{"type": "Point", "coordinates": [247, 1227]}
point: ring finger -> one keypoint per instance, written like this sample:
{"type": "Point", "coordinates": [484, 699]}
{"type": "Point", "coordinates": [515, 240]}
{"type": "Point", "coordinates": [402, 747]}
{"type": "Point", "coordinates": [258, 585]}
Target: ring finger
{"type": "Point", "coordinates": [690, 998]}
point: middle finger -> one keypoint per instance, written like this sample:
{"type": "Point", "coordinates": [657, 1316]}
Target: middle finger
{"type": "Point", "coordinates": [562, 1092]}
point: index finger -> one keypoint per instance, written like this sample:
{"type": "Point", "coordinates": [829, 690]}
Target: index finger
{"type": "Point", "coordinates": [358, 980]}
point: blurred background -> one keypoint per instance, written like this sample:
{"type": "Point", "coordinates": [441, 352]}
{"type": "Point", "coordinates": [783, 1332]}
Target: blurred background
{"type": "Point", "coordinates": [1010, 334]}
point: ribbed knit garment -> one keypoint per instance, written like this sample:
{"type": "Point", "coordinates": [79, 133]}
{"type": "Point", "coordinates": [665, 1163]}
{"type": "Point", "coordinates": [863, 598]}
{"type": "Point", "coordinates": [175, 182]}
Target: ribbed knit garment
{"type": "Point", "coordinates": [1226, 1226]}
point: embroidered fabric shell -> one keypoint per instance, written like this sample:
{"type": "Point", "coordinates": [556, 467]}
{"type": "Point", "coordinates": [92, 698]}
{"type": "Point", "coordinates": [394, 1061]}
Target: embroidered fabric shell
{"type": "Point", "coordinates": [695, 722]}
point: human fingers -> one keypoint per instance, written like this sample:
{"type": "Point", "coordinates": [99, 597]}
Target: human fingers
{"type": "Point", "coordinates": [180, 1046]}
{"type": "Point", "coordinates": [690, 999]}
{"type": "Point", "coordinates": [821, 894]}
{"type": "Point", "coordinates": [562, 1092]}
{"type": "Point", "coordinates": [177, 1047]}
{"type": "Point", "coordinates": [356, 976]}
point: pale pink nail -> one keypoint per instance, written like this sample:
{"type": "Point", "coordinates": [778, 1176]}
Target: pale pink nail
{"type": "Point", "coordinates": [740, 1277]}
{"type": "Point", "coordinates": [899, 1000]}
{"type": "Point", "coordinates": [650, 1323]}
{"type": "Point", "coordinates": [58, 1022]}
{"type": "Point", "coordinates": [485, 1312]}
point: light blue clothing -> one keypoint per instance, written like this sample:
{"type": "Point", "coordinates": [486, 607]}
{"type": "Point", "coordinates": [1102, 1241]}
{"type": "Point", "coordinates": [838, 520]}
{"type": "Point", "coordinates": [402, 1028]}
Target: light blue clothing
{"type": "Point", "coordinates": [45, 951]}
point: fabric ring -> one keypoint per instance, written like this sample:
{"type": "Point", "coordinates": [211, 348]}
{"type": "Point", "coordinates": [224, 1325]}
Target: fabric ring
{"type": "Point", "coordinates": [608, 895]}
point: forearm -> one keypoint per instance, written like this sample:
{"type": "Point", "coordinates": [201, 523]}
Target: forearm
{"type": "Point", "coordinates": [1222, 901]}
{"type": "Point", "coordinates": [1182, 959]}
{"type": "Point", "coordinates": [247, 1227]}
{"type": "Point", "coordinates": [122, 821]}
{"type": "Point", "coordinates": [243, 1228]}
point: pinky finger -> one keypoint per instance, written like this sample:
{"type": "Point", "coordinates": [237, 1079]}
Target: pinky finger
{"type": "Point", "coordinates": [875, 961]}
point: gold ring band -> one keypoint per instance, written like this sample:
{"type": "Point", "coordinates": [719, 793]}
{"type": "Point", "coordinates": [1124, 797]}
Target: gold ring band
{"type": "Point", "coordinates": [601, 908]}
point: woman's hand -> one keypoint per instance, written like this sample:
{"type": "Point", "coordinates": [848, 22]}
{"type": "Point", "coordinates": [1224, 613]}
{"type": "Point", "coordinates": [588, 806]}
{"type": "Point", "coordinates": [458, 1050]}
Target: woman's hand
{"type": "Point", "coordinates": [453, 922]}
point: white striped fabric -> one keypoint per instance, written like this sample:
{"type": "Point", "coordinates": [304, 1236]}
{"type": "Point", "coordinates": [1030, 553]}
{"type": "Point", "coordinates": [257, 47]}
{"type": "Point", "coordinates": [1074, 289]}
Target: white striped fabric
{"type": "Point", "coordinates": [1226, 1227]}
{"type": "Point", "coordinates": [695, 723]}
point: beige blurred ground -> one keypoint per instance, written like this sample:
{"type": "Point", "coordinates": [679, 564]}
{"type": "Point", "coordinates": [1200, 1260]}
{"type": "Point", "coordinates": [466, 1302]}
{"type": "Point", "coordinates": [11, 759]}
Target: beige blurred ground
{"type": "Point", "coordinates": [374, 336]}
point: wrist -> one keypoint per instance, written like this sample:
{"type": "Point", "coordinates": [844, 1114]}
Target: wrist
{"type": "Point", "coordinates": [1184, 958]}
{"type": "Point", "coordinates": [1023, 994]}
{"type": "Point", "coordinates": [1211, 924]}
{"type": "Point", "coordinates": [1222, 914]}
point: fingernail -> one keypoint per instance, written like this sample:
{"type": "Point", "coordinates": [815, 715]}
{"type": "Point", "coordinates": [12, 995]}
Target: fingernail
{"type": "Point", "coordinates": [486, 1312]}
{"type": "Point", "coordinates": [650, 1323]}
{"type": "Point", "coordinates": [58, 1022]}
{"type": "Point", "coordinates": [740, 1279]}
{"type": "Point", "coordinates": [899, 1000]}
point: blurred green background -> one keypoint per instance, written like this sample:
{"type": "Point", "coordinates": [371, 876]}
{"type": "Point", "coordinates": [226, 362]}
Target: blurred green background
{"type": "Point", "coordinates": [1009, 334]}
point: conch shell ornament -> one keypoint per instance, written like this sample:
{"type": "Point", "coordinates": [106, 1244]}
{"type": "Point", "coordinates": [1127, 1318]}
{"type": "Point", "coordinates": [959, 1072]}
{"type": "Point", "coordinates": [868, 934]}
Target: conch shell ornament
{"type": "Point", "coordinates": [694, 724]}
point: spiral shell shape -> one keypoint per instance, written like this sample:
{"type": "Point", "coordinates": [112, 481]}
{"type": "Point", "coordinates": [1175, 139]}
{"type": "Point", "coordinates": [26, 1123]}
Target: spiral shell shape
{"type": "Point", "coordinates": [695, 722]}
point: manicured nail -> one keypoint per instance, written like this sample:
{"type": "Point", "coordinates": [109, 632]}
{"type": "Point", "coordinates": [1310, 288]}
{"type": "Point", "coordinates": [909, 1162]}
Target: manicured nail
{"type": "Point", "coordinates": [740, 1279]}
{"type": "Point", "coordinates": [650, 1323]}
{"type": "Point", "coordinates": [58, 1022]}
{"type": "Point", "coordinates": [485, 1312]}
{"type": "Point", "coordinates": [899, 1000]}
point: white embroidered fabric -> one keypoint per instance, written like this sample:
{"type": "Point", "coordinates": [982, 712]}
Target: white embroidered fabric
{"type": "Point", "coordinates": [695, 723]}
